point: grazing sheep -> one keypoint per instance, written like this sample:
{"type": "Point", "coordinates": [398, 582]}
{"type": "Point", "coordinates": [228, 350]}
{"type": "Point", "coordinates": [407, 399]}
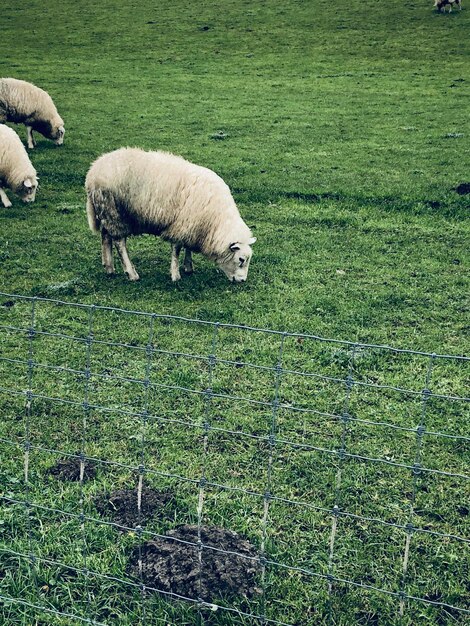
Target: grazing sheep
{"type": "Point", "coordinates": [441, 4]}
{"type": "Point", "coordinates": [16, 171]}
{"type": "Point", "coordinates": [24, 103]}
{"type": "Point", "coordinates": [130, 191]}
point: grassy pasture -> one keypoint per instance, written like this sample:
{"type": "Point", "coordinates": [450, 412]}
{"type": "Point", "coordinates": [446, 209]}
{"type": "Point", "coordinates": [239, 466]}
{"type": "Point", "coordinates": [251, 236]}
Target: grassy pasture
{"type": "Point", "coordinates": [343, 132]}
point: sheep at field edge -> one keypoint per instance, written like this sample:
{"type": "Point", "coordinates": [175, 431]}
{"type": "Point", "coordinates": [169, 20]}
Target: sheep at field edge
{"type": "Point", "coordinates": [16, 170]}
{"type": "Point", "coordinates": [441, 4]}
{"type": "Point", "coordinates": [130, 191]}
{"type": "Point", "coordinates": [24, 103]}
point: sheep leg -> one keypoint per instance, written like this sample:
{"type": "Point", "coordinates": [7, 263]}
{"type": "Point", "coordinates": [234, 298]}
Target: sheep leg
{"type": "Point", "coordinates": [125, 260]}
{"type": "Point", "coordinates": [31, 142]}
{"type": "Point", "coordinates": [188, 262]}
{"type": "Point", "coordinates": [175, 263]}
{"type": "Point", "coordinates": [4, 198]}
{"type": "Point", "coordinates": [107, 252]}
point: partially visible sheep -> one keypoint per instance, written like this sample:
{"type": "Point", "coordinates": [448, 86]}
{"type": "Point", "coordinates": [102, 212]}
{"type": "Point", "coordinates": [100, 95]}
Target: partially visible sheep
{"type": "Point", "coordinates": [441, 4]}
{"type": "Point", "coordinates": [130, 191]}
{"type": "Point", "coordinates": [16, 171]}
{"type": "Point", "coordinates": [24, 103]}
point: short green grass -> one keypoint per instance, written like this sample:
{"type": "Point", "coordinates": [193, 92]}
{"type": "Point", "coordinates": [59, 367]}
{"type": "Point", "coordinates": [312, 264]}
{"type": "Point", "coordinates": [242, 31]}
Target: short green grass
{"type": "Point", "coordinates": [343, 132]}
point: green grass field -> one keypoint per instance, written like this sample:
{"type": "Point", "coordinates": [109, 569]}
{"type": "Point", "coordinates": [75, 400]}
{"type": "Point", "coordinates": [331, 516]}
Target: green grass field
{"type": "Point", "coordinates": [342, 130]}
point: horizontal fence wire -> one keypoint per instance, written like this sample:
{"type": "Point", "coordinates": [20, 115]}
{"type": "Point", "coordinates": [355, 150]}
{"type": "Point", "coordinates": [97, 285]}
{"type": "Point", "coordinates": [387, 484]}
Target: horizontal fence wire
{"type": "Point", "coordinates": [417, 468]}
{"type": "Point", "coordinates": [159, 406]}
{"type": "Point", "coordinates": [241, 363]}
{"type": "Point", "coordinates": [234, 326]}
{"type": "Point", "coordinates": [138, 381]}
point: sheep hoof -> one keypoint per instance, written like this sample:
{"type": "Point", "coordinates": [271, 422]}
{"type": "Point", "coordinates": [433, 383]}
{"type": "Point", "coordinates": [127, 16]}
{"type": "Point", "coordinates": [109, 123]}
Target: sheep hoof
{"type": "Point", "coordinates": [133, 277]}
{"type": "Point", "coordinates": [7, 204]}
{"type": "Point", "coordinates": [176, 277]}
{"type": "Point", "coordinates": [188, 269]}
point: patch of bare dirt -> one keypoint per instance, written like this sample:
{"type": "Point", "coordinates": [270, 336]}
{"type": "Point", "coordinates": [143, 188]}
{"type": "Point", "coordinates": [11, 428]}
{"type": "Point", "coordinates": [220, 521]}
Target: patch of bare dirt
{"type": "Point", "coordinates": [120, 506]}
{"type": "Point", "coordinates": [69, 469]}
{"type": "Point", "coordinates": [174, 566]}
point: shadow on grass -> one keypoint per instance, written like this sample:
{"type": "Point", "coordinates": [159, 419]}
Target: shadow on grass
{"type": "Point", "coordinates": [450, 206]}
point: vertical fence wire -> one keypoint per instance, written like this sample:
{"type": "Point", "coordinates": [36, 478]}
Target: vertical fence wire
{"type": "Point", "coordinates": [149, 351]}
{"type": "Point", "coordinates": [336, 512]}
{"type": "Point", "coordinates": [206, 426]}
{"type": "Point", "coordinates": [416, 473]}
{"type": "Point", "coordinates": [83, 455]}
{"type": "Point", "coordinates": [269, 479]}
{"type": "Point", "coordinates": [31, 334]}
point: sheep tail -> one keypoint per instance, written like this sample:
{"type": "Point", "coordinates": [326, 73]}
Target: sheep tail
{"type": "Point", "coordinates": [94, 198]}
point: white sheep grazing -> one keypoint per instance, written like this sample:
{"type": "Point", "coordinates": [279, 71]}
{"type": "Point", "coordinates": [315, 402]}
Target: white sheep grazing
{"type": "Point", "coordinates": [130, 191]}
{"type": "Point", "coordinates": [16, 171]}
{"type": "Point", "coordinates": [24, 103]}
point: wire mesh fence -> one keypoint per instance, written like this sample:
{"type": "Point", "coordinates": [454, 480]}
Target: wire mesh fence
{"type": "Point", "coordinates": [294, 479]}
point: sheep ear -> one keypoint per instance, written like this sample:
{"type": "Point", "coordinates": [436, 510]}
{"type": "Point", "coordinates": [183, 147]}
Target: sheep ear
{"type": "Point", "coordinates": [252, 241]}
{"type": "Point", "coordinates": [234, 246]}
{"type": "Point", "coordinates": [27, 183]}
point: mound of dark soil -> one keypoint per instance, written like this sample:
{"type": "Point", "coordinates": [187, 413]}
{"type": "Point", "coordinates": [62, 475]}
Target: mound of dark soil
{"type": "Point", "coordinates": [121, 506]}
{"type": "Point", "coordinates": [69, 469]}
{"type": "Point", "coordinates": [174, 566]}
{"type": "Point", "coordinates": [463, 188]}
